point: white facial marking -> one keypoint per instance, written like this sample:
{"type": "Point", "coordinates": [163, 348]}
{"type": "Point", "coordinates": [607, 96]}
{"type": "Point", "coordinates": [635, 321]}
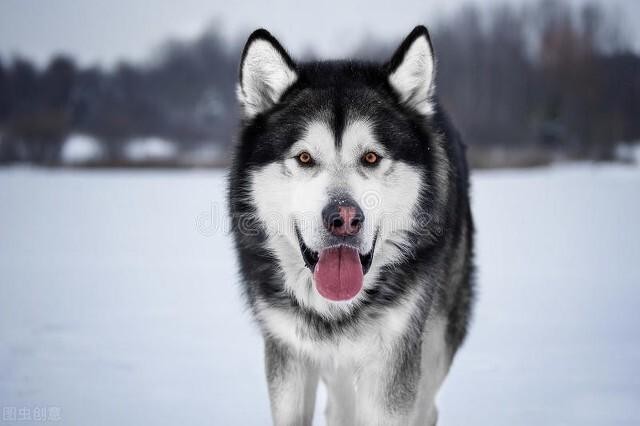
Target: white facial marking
{"type": "Point", "coordinates": [265, 77]}
{"type": "Point", "coordinates": [358, 139]}
{"type": "Point", "coordinates": [286, 193]}
{"type": "Point", "coordinates": [318, 141]}
{"type": "Point", "coordinates": [414, 77]}
{"type": "Point", "coordinates": [387, 193]}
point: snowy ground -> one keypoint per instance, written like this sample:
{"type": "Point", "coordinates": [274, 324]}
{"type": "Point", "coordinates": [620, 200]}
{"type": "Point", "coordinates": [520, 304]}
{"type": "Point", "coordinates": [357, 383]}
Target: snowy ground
{"type": "Point", "coordinates": [118, 302]}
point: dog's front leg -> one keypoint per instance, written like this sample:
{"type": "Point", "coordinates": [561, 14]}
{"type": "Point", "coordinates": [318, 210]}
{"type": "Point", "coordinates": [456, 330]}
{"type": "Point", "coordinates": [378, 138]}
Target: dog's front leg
{"type": "Point", "coordinates": [292, 381]}
{"type": "Point", "coordinates": [387, 388]}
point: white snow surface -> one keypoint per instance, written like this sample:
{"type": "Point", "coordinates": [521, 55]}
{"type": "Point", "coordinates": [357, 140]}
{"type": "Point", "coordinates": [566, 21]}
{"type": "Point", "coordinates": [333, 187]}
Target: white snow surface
{"type": "Point", "coordinates": [119, 301]}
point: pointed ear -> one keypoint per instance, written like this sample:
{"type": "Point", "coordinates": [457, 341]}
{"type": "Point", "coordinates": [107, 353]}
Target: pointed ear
{"type": "Point", "coordinates": [266, 72]}
{"type": "Point", "coordinates": [411, 71]}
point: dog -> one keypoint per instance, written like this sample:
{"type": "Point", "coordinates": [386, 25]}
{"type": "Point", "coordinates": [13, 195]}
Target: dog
{"type": "Point", "coordinates": [349, 204]}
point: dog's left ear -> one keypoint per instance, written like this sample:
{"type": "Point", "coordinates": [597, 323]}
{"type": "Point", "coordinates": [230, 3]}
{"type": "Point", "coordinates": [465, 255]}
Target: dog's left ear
{"type": "Point", "coordinates": [411, 71]}
{"type": "Point", "coordinates": [266, 72]}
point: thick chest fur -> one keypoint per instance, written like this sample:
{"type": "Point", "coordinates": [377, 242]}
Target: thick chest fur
{"type": "Point", "coordinates": [366, 382]}
{"type": "Point", "coordinates": [355, 341]}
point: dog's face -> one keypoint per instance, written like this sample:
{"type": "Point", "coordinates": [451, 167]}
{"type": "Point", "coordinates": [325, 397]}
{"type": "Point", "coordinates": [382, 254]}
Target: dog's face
{"type": "Point", "coordinates": [335, 154]}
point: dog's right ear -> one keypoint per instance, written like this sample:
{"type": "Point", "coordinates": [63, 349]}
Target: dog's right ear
{"type": "Point", "coordinates": [266, 72]}
{"type": "Point", "coordinates": [412, 70]}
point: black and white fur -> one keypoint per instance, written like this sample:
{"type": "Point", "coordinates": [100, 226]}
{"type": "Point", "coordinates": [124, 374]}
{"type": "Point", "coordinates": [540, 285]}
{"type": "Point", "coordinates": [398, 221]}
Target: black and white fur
{"type": "Point", "coordinates": [384, 354]}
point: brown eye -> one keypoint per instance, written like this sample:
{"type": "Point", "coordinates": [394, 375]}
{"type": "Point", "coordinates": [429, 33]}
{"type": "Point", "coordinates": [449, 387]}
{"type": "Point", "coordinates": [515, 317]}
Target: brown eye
{"type": "Point", "coordinates": [370, 159]}
{"type": "Point", "coordinates": [304, 158]}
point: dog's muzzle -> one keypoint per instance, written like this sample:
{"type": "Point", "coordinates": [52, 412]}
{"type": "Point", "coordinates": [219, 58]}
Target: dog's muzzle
{"type": "Point", "coordinates": [338, 270]}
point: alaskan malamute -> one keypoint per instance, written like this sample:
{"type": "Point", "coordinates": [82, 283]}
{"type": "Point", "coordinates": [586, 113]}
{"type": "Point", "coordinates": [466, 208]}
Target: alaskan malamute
{"type": "Point", "coordinates": [350, 209]}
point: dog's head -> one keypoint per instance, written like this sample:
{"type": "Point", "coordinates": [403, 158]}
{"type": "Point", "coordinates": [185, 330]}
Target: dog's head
{"type": "Point", "coordinates": [335, 156]}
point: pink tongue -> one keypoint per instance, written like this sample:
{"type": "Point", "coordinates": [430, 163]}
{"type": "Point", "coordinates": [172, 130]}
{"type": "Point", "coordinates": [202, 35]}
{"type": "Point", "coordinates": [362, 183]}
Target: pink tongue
{"type": "Point", "coordinates": [338, 273]}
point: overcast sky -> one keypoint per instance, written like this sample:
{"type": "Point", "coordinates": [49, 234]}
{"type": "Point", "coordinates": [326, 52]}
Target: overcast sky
{"type": "Point", "coordinates": [104, 32]}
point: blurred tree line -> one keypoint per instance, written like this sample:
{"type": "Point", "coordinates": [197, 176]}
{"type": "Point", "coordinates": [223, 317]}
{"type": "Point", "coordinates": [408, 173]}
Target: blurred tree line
{"type": "Point", "coordinates": [547, 76]}
{"type": "Point", "coordinates": [187, 96]}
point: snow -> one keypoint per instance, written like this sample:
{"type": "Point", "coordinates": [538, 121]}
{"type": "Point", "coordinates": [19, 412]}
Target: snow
{"type": "Point", "coordinates": [81, 149]}
{"type": "Point", "coordinates": [628, 152]}
{"type": "Point", "coordinates": [149, 149]}
{"type": "Point", "coordinates": [203, 154]}
{"type": "Point", "coordinates": [119, 302]}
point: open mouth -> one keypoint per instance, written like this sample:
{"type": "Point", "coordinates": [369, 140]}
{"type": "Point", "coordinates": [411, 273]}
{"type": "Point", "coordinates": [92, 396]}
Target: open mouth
{"type": "Point", "coordinates": [338, 271]}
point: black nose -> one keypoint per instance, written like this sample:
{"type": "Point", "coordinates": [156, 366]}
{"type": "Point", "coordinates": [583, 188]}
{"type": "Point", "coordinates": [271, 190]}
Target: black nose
{"type": "Point", "coordinates": [342, 217]}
